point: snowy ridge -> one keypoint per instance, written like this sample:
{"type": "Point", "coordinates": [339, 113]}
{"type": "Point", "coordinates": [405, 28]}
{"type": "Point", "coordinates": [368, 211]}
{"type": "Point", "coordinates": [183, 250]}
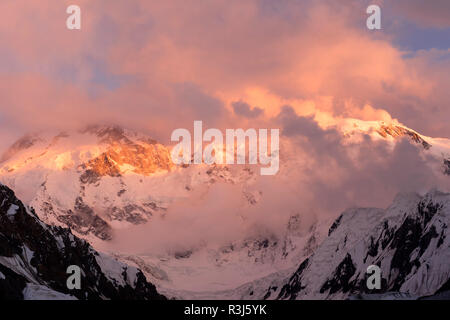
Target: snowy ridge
{"type": "Point", "coordinates": [439, 148]}
{"type": "Point", "coordinates": [34, 258]}
{"type": "Point", "coordinates": [101, 179]}
{"type": "Point", "coordinates": [409, 241]}
{"type": "Point", "coordinates": [104, 180]}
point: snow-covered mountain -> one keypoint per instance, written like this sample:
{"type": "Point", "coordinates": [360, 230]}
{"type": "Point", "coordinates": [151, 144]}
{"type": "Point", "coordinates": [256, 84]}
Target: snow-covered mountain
{"type": "Point", "coordinates": [409, 241]}
{"type": "Point", "coordinates": [231, 271]}
{"type": "Point", "coordinates": [104, 178]}
{"type": "Point", "coordinates": [101, 178]}
{"type": "Point", "coordinates": [439, 148]}
{"type": "Point", "coordinates": [34, 258]}
{"type": "Point", "coordinates": [101, 181]}
{"type": "Point", "coordinates": [65, 177]}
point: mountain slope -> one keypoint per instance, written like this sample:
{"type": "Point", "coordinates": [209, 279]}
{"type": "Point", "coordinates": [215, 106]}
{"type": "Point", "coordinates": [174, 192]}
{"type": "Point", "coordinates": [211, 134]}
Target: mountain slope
{"type": "Point", "coordinates": [438, 148]}
{"type": "Point", "coordinates": [34, 258]}
{"type": "Point", "coordinates": [104, 178]}
{"type": "Point", "coordinates": [101, 178]}
{"type": "Point", "coordinates": [103, 181]}
{"type": "Point", "coordinates": [409, 241]}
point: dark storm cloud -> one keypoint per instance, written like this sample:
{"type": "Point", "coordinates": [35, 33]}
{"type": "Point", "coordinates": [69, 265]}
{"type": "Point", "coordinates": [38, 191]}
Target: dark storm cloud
{"type": "Point", "coordinates": [244, 109]}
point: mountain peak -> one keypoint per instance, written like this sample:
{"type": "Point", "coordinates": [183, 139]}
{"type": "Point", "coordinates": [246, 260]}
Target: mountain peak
{"type": "Point", "coordinates": [126, 149]}
{"type": "Point", "coordinates": [396, 131]}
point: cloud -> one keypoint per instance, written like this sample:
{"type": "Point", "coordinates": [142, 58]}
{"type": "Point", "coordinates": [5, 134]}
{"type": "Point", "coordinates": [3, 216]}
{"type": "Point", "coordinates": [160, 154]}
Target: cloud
{"type": "Point", "coordinates": [322, 174]}
{"type": "Point", "coordinates": [434, 14]}
{"type": "Point", "coordinates": [155, 66]}
{"type": "Point", "coordinates": [339, 173]}
{"type": "Point", "coordinates": [243, 109]}
{"type": "Point", "coordinates": [134, 63]}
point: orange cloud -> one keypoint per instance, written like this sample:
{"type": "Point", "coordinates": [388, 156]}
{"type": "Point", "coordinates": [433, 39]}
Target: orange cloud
{"type": "Point", "coordinates": [179, 60]}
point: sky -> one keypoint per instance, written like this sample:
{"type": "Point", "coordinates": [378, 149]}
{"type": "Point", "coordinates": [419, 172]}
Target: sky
{"type": "Point", "coordinates": [155, 66]}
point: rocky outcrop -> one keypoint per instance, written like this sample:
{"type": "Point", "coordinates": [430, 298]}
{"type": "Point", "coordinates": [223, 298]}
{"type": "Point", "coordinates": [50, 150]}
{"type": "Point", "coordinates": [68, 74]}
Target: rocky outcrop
{"type": "Point", "coordinates": [398, 131]}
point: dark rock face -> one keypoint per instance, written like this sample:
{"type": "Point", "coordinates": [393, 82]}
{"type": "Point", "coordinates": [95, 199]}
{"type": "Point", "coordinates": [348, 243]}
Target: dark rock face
{"type": "Point", "coordinates": [412, 236]}
{"type": "Point", "coordinates": [341, 278]}
{"type": "Point", "coordinates": [335, 224]}
{"type": "Point", "coordinates": [11, 284]}
{"type": "Point", "coordinates": [131, 212]}
{"type": "Point", "coordinates": [23, 143]}
{"type": "Point", "coordinates": [447, 166]}
{"type": "Point", "coordinates": [45, 252]}
{"type": "Point", "coordinates": [81, 219]}
{"type": "Point", "coordinates": [290, 290]}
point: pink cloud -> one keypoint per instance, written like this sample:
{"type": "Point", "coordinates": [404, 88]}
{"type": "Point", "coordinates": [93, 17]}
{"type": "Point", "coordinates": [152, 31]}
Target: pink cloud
{"type": "Point", "coordinates": [182, 60]}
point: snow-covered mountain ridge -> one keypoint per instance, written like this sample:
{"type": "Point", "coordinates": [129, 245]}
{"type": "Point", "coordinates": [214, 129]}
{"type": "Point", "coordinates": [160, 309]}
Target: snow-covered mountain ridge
{"type": "Point", "coordinates": [409, 241]}
{"type": "Point", "coordinates": [102, 178]}
{"type": "Point", "coordinates": [34, 258]}
{"type": "Point", "coordinates": [105, 180]}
